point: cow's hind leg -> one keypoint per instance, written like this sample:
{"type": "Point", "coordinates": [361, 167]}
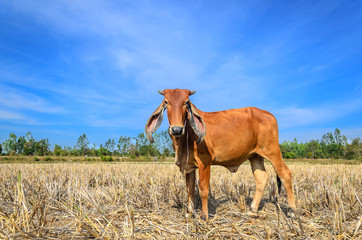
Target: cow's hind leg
{"type": "Point", "coordinates": [284, 174]}
{"type": "Point", "coordinates": [261, 178]}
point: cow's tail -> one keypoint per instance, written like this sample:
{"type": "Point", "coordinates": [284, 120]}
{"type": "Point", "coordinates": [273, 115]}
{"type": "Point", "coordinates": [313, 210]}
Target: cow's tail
{"type": "Point", "coordinates": [279, 184]}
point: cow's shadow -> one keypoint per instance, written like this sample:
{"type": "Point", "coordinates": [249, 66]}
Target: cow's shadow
{"type": "Point", "coordinates": [231, 197]}
{"type": "Point", "coordinates": [215, 203]}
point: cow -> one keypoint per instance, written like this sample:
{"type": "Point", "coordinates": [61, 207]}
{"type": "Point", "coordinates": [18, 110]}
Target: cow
{"type": "Point", "coordinates": [227, 138]}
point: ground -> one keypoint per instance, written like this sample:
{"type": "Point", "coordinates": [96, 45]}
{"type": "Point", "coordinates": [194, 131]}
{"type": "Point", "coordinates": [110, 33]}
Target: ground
{"type": "Point", "coordinates": [124, 200]}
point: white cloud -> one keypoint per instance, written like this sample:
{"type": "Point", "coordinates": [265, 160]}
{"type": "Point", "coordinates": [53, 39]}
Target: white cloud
{"type": "Point", "coordinates": [293, 116]}
{"type": "Point", "coordinates": [17, 118]}
{"type": "Point", "coordinates": [352, 132]}
{"type": "Point", "coordinates": [6, 115]}
{"type": "Point", "coordinates": [327, 112]}
{"type": "Point", "coordinates": [17, 99]}
{"type": "Point", "coordinates": [124, 58]}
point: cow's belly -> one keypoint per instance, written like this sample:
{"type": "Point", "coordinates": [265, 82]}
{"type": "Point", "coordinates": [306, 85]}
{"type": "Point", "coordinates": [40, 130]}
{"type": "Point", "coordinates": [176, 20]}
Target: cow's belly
{"type": "Point", "coordinates": [233, 169]}
{"type": "Point", "coordinates": [231, 164]}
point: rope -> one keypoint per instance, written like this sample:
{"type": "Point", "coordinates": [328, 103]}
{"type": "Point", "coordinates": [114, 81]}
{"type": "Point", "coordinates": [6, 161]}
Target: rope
{"type": "Point", "coordinates": [187, 143]}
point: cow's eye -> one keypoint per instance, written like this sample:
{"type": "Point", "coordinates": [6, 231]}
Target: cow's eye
{"type": "Point", "coordinates": [166, 102]}
{"type": "Point", "coordinates": [187, 102]}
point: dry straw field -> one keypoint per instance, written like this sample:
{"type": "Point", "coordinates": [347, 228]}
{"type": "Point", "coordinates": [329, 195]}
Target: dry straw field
{"type": "Point", "coordinates": [141, 201]}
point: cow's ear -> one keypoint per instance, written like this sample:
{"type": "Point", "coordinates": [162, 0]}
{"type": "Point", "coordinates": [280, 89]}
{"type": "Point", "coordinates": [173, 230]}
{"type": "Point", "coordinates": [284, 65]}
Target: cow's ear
{"type": "Point", "coordinates": [197, 123]}
{"type": "Point", "coordinates": [154, 122]}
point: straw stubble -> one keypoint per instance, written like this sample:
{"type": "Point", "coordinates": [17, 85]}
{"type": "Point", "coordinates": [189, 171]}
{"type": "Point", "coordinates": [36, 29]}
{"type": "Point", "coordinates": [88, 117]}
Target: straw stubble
{"type": "Point", "coordinates": [140, 201]}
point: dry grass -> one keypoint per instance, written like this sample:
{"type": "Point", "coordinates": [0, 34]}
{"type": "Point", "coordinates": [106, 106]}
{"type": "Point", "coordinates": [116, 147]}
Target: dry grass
{"type": "Point", "coordinates": [122, 201]}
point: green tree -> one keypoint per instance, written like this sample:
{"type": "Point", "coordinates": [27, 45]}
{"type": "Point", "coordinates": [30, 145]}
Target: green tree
{"type": "Point", "coordinates": [67, 150]}
{"type": "Point", "coordinates": [285, 148]}
{"type": "Point", "coordinates": [332, 144]}
{"type": "Point", "coordinates": [165, 144]}
{"type": "Point", "coordinates": [10, 144]}
{"type": "Point", "coordinates": [339, 140]}
{"type": "Point", "coordinates": [291, 150]}
{"type": "Point", "coordinates": [75, 151]}
{"type": "Point", "coordinates": [357, 143]}
{"type": "Point", "coordinates": [354, 149]}
{"type": "Point", "coordinates": [58, 151]}
{"type": "Point", "coordinates": [83, 144]}
{"type": "Point", "coordinates": [133, 149]}
{"type": "Point", "coordinates": [145, 148]}
{"type": "Point", "coordinates": [124, 144]}
{"type": "Point", "coordinates": [290, 155]}
{"type": "Point", "coordinates": [29, 147]}
{"type": "Point", "coordinates": [93, 150]}
{"type": "Point", "coordinates": [110, 145]}
{"type": "Point", "coordinates": [297, 149]}
{"type": "Point", "coordinates": [103, 151]}
{"type": "Point", "coordinates": [42, 147]}
{"type": "Point", "coordinates": [313, 149]}
{"type": "Point", "coordinates": [21, 145]}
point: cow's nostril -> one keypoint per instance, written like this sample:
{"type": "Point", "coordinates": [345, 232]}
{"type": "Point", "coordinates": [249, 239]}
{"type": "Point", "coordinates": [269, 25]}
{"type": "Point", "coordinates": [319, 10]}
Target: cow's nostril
{"type": "Point", "coordinates": [176, 130]}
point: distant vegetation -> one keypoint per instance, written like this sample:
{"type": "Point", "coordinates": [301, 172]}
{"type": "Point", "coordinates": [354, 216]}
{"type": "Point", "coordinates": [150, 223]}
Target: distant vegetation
{"type": "Point", "coordinates": [123, 147]}
{"type": "Point", "coordinates": [331, 146]}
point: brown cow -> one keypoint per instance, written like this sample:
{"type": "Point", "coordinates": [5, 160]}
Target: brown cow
{"type": "Point", "coordinates": [226, 138]}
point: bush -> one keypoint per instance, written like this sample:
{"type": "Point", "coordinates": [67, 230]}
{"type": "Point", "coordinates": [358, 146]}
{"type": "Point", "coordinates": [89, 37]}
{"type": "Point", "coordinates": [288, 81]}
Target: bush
{"type": "Point", "coordinates": [48, 159]}
{"type": "Point", "coordinates": [36, 159]}
{"type": "Point", "coordinates": [290, 155]}
{"type": "Point", "coordinates": [144, 158]}
{"type": "Point", "coordinates": [106, 158]}
{"type": "Point", "coordinates": [310, 155]}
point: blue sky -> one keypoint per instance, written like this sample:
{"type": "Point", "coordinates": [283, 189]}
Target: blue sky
{"type": "Point", "coordinates": [94, 66]}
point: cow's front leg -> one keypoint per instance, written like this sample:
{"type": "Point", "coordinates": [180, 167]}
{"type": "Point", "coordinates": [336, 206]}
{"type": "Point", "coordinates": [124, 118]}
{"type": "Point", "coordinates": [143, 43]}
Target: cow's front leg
{"type": "Point", "coordinates": [204, 175]}
{"type": "Point", "coordinates": [190, 185]}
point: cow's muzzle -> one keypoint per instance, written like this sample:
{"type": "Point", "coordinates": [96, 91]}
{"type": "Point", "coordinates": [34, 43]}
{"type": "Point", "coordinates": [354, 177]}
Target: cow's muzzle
{"type": "Point", "coordinates": [177, 131]}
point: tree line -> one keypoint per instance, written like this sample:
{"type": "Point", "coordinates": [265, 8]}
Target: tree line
{"type": "Point", "coordinates": [332, 145]}
{"type": "Point", "coordinates": [124, 146]}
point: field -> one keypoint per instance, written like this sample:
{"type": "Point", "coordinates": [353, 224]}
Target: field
{"type": "Point", "coordinates": [140, 201]}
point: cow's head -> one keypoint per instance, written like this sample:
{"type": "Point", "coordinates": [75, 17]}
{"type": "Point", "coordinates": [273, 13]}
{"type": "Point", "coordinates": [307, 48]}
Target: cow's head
{"type": "Point", "coordinates": [179, 109]}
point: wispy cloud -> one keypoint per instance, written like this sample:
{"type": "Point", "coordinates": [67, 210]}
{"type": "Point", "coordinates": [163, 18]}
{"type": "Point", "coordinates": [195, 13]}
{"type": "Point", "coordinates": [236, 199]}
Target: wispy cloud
{"type": "Point", "coordinates": [11, 115]}
{"type": "Point", "coordinates": [327, 112]}
{"type": "Point", "coordinates": [16, 99]}
{"type": "Point", "coordinates": [16, 118]}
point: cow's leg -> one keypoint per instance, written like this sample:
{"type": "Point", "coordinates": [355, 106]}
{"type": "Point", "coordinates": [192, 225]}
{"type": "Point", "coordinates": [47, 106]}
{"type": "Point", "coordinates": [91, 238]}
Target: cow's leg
{"type": "Point", "coordinates": [204, 182]}
{"type": "Point", "coordinates": [261, 178]}
{"type": "Point", "coordinates": [190, 185]}
{"type": "Point", "coordinates": [284, 174]}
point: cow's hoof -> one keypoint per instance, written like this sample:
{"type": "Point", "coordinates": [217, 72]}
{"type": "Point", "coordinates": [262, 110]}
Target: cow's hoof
{"type": "Point", "coordinates": [252, 213]}
{"type": "Point", "coordinates": [292, 214]}
{"type": "Point", "coordinates": [203, 217]}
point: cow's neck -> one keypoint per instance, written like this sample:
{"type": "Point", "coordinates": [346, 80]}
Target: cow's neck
{"type": "Point", "coordinates": [184, 150]}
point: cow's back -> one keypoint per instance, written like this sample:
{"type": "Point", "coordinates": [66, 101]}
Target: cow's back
{"type": "Point", "coordinates": [233, 135]}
